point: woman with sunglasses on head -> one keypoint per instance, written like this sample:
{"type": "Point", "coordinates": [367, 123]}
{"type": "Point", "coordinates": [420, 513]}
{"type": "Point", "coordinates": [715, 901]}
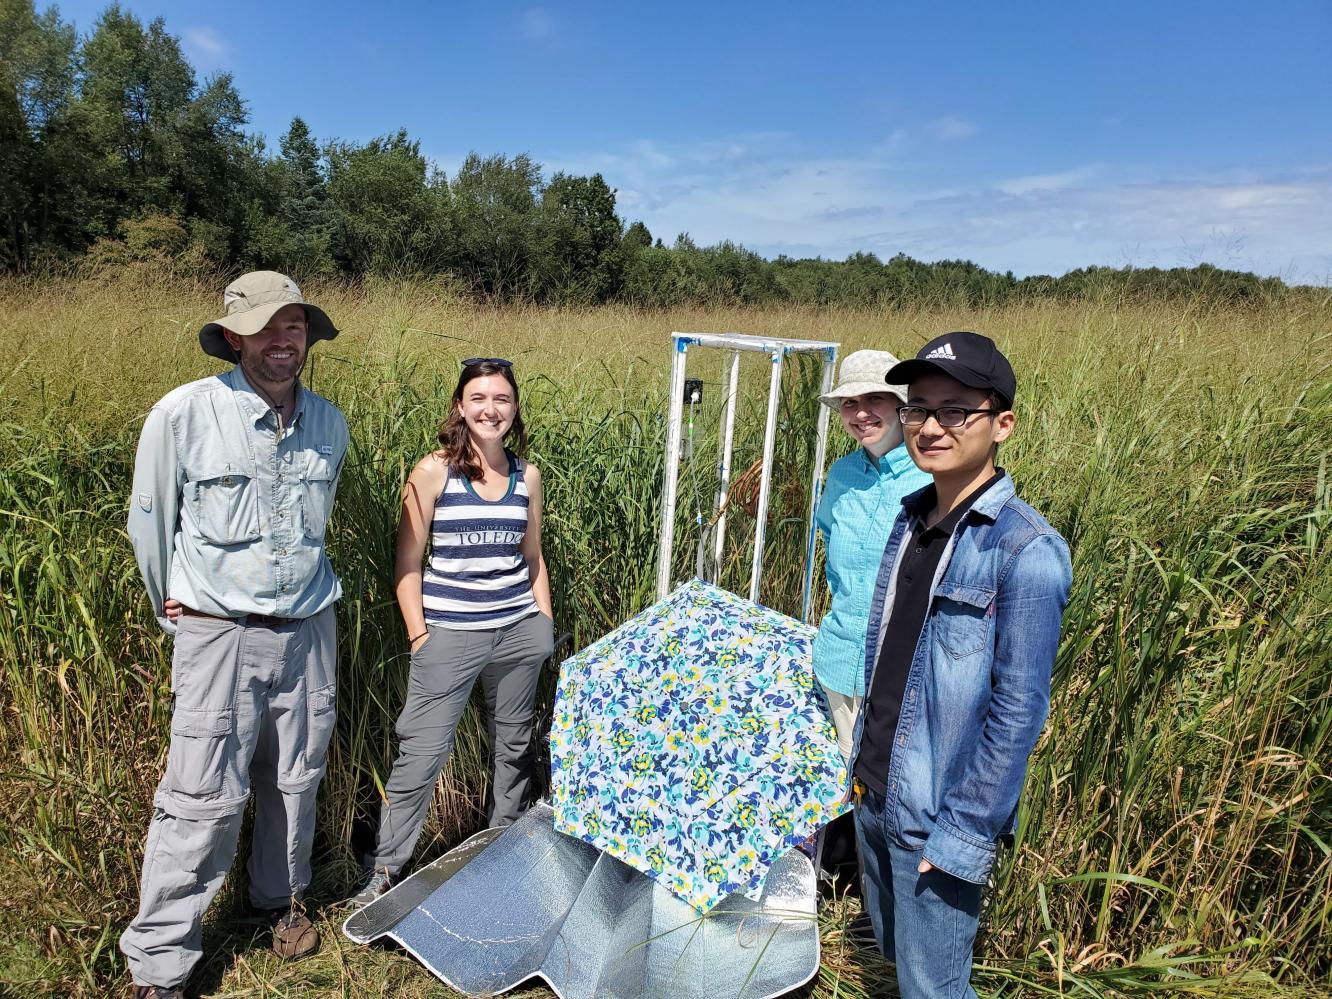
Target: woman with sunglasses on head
{"type": "Point", "coordinates": [480, 610]}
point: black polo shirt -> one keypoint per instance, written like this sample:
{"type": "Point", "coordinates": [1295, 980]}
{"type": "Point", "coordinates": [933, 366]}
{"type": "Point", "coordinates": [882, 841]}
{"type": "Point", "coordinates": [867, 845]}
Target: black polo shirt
{"type": "Point", "coordinates": [911, 602]}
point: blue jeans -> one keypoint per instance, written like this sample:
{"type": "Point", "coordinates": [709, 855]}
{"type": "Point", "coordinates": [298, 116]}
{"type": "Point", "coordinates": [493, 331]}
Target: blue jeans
{"type": "Point", "coordinates": [924, 923]}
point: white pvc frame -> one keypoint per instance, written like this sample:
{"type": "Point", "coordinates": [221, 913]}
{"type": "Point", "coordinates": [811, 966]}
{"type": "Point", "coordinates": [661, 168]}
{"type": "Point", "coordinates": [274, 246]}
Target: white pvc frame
{"type": "Point", "coordinates": [776, 348]}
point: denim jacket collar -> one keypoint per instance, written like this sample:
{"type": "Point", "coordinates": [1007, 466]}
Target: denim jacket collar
{"type": "Point", "coordinates": [988, 506]}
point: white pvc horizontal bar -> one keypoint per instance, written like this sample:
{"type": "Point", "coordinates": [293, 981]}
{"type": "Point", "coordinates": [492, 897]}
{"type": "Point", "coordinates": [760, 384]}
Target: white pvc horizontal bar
{"type": "Point", "coordinates": [747, 341]}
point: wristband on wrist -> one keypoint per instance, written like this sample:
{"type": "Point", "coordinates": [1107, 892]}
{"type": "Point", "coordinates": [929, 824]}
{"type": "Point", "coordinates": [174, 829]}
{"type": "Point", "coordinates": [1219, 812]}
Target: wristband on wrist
{"type": "Point", "coordinates": [412, 640]}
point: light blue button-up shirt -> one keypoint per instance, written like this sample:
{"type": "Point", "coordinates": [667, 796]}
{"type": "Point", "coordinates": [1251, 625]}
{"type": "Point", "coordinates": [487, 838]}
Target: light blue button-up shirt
{"type": "Point", "coordinates": [861, 500]}
{"type": "Point", "coordinates": [227, 516]}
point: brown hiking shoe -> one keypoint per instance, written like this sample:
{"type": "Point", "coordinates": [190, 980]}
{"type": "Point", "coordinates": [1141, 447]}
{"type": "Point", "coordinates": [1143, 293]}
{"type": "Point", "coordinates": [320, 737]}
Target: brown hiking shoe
{"type": "Point", "coordinates": [157, 992]}
{"type": "Point", "coordinates": [294, 936]}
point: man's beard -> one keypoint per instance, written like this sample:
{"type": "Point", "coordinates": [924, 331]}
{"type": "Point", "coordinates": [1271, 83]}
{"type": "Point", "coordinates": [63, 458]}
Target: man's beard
{"type": "Point", "coordinates": [276, 373]}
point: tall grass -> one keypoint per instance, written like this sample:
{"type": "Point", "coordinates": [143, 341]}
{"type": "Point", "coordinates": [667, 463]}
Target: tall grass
{"type": "Point", "coordinates": [1175, 831]}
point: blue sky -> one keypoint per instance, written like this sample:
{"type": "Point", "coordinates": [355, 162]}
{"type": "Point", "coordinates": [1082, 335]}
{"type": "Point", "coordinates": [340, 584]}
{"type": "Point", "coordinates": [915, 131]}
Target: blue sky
{"type": "Point", "coordinates": [1036, 137]}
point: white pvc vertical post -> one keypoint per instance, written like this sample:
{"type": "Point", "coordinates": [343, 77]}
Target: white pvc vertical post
{"type": "Point", "coordinates": [666, 540]}
{"type": "Point", "coordinates": [816, 487]}
{"type": "Point", "coordinates": [724, 470]}
{"type": "Point", "coordinates": [765, 481]}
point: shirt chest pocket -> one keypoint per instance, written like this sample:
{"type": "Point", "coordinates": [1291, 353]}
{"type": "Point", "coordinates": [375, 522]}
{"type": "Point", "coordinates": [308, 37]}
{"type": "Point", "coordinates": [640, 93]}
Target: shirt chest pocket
{"type": "Point", "coordinates": [226, 505]}
{"type": "Point", "coordinates": [317, 479]}
{"type": "Point", "coordinates": [962, 618]}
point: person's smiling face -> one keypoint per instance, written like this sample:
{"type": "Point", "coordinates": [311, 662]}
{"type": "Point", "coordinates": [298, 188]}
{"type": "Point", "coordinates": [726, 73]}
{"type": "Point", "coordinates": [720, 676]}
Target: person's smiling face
{"type": "Point", "coordinates": [488, 407]}
{"type": "Point", "coordinates": [275, 354]}
{"type": "Point", "coordinates": [867, 418]}
{"type": "Point", "coordinates": [951, 451]}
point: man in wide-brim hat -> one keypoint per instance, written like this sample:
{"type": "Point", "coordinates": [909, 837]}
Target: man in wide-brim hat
{"type": "Point", "coordinates": [233, 484]}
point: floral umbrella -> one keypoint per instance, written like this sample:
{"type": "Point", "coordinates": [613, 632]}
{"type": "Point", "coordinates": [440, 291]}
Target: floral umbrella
{"type": "Point", "coordinates": [693, 744]}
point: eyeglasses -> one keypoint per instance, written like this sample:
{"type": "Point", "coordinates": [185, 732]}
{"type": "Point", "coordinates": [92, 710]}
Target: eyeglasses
{"type": "Point", "coordinates": [948, 417]}
{"type": "Point", "coordinates": [497, 361]}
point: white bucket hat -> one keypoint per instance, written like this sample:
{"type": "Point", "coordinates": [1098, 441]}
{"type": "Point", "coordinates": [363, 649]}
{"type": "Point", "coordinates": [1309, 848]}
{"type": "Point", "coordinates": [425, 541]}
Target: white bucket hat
{"type": "Point", "coordinates": [250, 301]}
{"type": "Point", "coordinates": [863, 372]}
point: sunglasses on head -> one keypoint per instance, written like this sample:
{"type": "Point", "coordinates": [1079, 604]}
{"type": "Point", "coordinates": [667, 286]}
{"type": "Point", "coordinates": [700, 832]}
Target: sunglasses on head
{"type": "Point", "coordinates": [498, 361]}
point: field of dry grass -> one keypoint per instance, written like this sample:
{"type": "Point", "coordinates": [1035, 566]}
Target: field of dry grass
{"type": "Point", "coordinates": [1176, 826]}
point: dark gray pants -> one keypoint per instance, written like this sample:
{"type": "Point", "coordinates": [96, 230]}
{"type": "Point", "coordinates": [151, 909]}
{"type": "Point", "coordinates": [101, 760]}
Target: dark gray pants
{"type": "Point", "coordinates": [254, 707]}
{"type": "Point", "coordinates": [443, 670]}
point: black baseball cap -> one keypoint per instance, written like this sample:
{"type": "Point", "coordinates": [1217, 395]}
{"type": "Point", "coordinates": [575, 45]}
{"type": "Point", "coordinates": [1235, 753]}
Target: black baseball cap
{"type": "Point", "coordinates": [971, 358]}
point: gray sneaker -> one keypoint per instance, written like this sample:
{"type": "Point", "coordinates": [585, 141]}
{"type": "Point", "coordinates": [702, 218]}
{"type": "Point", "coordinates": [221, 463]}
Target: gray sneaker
{"type": "Point", "coordinates": [376, 882]}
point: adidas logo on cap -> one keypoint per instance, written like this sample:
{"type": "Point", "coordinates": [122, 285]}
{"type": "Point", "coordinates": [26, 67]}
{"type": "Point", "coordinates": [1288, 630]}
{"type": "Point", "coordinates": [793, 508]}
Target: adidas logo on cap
{"type": "Point", "coordinates": [943, 352]}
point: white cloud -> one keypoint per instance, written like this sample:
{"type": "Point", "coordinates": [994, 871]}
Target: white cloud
{"type": "Point", "coordinates": [205, 41]}
{"type": "Point", "coordinates": [536, 24]}
{"type": "Point", "coordinates": [952, 127]}
{"type": "Point", "coordinates": [1044, 181]}
{"type": "Point", "coordinates": [1267, 225]}
{"type": "Point", "coordinates": [765, 191]}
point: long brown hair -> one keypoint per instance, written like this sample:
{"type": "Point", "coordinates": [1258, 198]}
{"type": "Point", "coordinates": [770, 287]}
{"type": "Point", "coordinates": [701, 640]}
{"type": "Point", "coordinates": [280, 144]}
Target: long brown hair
{"type": "Point", "coordinates": [456, 442]}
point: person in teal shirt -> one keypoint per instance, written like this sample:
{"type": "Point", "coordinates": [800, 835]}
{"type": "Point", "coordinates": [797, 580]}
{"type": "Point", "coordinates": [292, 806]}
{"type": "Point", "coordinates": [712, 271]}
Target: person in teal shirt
{"type": "Point", "coordinates": [861, 500]}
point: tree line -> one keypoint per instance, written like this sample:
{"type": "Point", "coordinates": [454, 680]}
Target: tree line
{"type": "Point", "coordinates": [113, 153]}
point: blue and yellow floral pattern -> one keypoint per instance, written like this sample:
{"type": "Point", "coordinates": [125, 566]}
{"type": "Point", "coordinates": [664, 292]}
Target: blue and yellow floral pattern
{"type": "Point", "coordinates": [693, 744]}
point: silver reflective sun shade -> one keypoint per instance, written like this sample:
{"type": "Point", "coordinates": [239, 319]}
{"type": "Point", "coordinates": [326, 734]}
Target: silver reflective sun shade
{"type": "Point", "coordinates": [527, 901]}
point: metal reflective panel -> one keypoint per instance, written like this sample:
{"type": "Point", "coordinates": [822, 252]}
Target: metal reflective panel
{"type": "Point", "coordinates": [529, 902]}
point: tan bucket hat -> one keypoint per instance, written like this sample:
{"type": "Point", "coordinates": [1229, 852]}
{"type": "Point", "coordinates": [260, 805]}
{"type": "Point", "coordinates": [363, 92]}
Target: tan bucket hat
{"type": "Point", "coordinates": [250, 301]}
{"type": "Point", "coordinates": [863, 372]}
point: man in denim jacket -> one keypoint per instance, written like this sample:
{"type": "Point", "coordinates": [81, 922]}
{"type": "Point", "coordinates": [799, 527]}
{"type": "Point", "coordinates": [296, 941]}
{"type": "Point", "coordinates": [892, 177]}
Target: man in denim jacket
{"type": "Point", "coordinates": [233, 484]}
{"type": "Point", "coordinates": [963, 630]}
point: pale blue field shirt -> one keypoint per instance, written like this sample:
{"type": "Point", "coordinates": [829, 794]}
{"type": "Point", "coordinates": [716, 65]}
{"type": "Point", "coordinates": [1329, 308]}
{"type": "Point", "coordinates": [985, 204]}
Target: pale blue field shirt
{"type": "Point", "coordinates": [226, 518]}
{"type": "Point", "coordinates": [860, 502]}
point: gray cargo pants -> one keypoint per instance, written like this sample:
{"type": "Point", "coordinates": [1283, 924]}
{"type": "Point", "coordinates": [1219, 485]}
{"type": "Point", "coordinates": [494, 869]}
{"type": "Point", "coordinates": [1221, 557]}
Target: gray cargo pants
{"type": "Point", "coordinates": [253, 703]}
{"type": "Point", "coordinates": [443, 670]}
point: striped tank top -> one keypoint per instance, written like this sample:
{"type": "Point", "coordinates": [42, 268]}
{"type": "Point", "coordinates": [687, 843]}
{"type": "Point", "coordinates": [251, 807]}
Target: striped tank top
{"type": "Point", "coordinates": [476, 576]}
